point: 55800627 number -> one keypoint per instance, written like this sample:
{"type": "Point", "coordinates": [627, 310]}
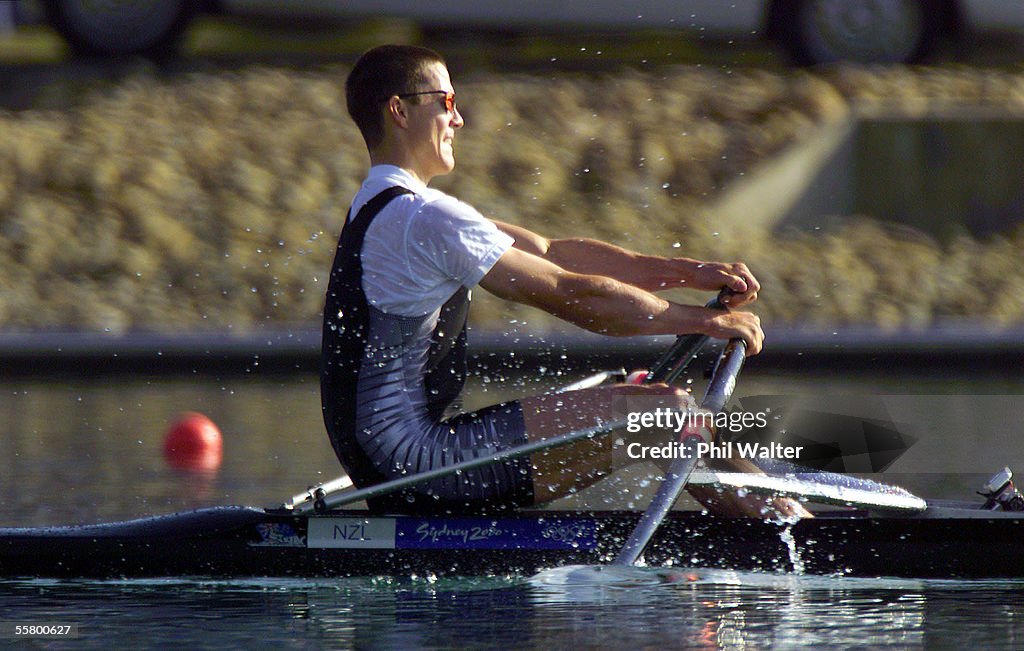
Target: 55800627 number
{"type": "Point", "coordinates": [23, 631]}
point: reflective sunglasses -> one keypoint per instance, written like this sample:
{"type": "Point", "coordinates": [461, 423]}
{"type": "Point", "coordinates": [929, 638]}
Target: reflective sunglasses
{"type": "Point", "coordinates": [449, 98]}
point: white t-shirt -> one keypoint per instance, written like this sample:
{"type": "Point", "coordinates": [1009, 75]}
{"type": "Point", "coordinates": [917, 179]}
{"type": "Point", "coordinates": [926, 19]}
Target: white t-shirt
{"type": "Point", "coordinates": [421, 247]}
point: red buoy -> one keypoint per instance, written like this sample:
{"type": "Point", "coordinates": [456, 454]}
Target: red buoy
{"type": "Point", "coordinates": [194, 443]}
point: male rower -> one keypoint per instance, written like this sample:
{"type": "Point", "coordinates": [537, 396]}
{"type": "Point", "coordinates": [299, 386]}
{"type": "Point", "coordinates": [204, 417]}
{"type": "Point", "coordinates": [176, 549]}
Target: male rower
{"type": "Point", "coordinates": [394, 338]}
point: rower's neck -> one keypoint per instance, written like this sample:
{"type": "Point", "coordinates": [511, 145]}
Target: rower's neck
{"type": "Point", "coordinates": [399, 157]}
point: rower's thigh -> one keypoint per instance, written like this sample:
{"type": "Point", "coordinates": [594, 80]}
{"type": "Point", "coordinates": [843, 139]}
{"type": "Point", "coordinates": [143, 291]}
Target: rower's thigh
{"type": "Point", "coordinates": [558, 471]}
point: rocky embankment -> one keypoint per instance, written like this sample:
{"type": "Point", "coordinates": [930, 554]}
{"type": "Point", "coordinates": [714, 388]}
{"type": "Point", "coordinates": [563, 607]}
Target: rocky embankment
{"type": "Point", "coordinates": [214, 200]}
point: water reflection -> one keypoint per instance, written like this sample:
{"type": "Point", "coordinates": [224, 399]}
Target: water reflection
{"type": "Point", "coordinates": [717, 610]}
{"type": "Point", "coordinates": [80, 451]}
{"type": "Point", "coordinates": [740, 610]}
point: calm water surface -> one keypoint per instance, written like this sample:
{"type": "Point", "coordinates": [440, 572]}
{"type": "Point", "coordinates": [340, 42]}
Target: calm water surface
{"type": "Point", "coordinates": [90, 451]}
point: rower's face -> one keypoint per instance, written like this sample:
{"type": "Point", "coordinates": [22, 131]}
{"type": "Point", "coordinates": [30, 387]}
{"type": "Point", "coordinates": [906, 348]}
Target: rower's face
{"type": "Point", "coordinates": [433, 125]}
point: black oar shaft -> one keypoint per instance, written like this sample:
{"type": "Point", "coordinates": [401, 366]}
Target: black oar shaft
{"type": "Point", "coordinates": [718, 392]}
{"type": "Point", "coordinates": [680, 355]}
{"type": "Point", "coordinates": [671, 365]}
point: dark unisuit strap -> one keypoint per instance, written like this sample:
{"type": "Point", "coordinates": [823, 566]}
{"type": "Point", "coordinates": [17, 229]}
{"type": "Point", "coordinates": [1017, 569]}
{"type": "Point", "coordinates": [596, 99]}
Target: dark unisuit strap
{"type": "Point", "coordinates": [345, 337]}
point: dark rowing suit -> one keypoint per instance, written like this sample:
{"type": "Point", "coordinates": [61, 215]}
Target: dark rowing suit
{"type": "Point", "coordinates": [388, 383]}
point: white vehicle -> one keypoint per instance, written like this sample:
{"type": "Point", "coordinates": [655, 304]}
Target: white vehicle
{"type": "Point", "coordinates": [811, 31]}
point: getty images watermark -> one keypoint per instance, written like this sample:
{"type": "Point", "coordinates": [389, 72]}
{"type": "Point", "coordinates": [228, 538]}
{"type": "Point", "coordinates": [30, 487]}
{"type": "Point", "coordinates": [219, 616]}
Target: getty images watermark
{"type": "Point", "coordinates": [690, 422]}
{"type": "Point", "coordinates": [857, 433]}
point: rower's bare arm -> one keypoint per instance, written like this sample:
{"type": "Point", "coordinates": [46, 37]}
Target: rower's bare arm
{"type": "Point", "coordinates": [607, 306]}
{"type": "Point", "coordinates": [651, 273]}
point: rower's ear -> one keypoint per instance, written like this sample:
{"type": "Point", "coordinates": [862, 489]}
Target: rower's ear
{"type": "Point", "coordinates": [396, 111]}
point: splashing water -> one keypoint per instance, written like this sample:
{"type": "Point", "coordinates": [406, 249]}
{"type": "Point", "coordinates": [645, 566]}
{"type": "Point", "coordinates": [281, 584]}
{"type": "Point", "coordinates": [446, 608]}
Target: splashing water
{"type": "Point", "coordinates": [786, 535]}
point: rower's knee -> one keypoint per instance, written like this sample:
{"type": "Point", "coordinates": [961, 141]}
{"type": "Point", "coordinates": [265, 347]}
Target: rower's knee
{"type": "Point", "coordinates": [658, 416]}
{"type": "Point", "coordinates": [633, 401]}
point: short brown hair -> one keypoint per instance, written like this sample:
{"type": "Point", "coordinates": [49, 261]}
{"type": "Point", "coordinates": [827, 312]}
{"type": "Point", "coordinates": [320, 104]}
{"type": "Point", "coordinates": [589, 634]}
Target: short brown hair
{"type": "Point", "coordinates": [379, 74]}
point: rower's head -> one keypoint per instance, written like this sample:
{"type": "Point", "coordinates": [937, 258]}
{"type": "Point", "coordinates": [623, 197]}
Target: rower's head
{"type": "Point", "coordinates": [401, 98]}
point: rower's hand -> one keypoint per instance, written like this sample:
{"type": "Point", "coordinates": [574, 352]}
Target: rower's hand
{"type": "Point", "coordinates": [731, 325]}
{"type": "Point", "coordinates": [735, 504]}
{"type": "Point", "coordinates": [731, 503]}
{"type": "Point", "coordinates": [735, 276]}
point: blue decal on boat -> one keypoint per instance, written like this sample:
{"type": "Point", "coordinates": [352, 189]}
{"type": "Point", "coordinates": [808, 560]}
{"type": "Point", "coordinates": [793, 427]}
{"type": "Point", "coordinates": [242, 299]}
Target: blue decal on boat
{"type": "Point", "coordinates": [505, 533]}
{"type": "Point", "coordinates": [278, 534]}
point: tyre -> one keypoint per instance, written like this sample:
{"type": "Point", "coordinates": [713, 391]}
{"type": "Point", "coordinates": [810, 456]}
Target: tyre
{"type": "Point", "coordinates": [865, 31]}
{"type": "Point", "coordinates": [120, 27]}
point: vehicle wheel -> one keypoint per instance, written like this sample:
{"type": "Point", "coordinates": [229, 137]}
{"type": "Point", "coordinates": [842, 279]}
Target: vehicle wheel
{"type": "Point", "coordinates": [866, 31]}
{"type": "Point", "coordinates": [115, 27]}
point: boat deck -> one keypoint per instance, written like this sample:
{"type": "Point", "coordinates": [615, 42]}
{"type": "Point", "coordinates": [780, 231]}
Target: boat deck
{"type": "Point", "coordinates": [945, 541]}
